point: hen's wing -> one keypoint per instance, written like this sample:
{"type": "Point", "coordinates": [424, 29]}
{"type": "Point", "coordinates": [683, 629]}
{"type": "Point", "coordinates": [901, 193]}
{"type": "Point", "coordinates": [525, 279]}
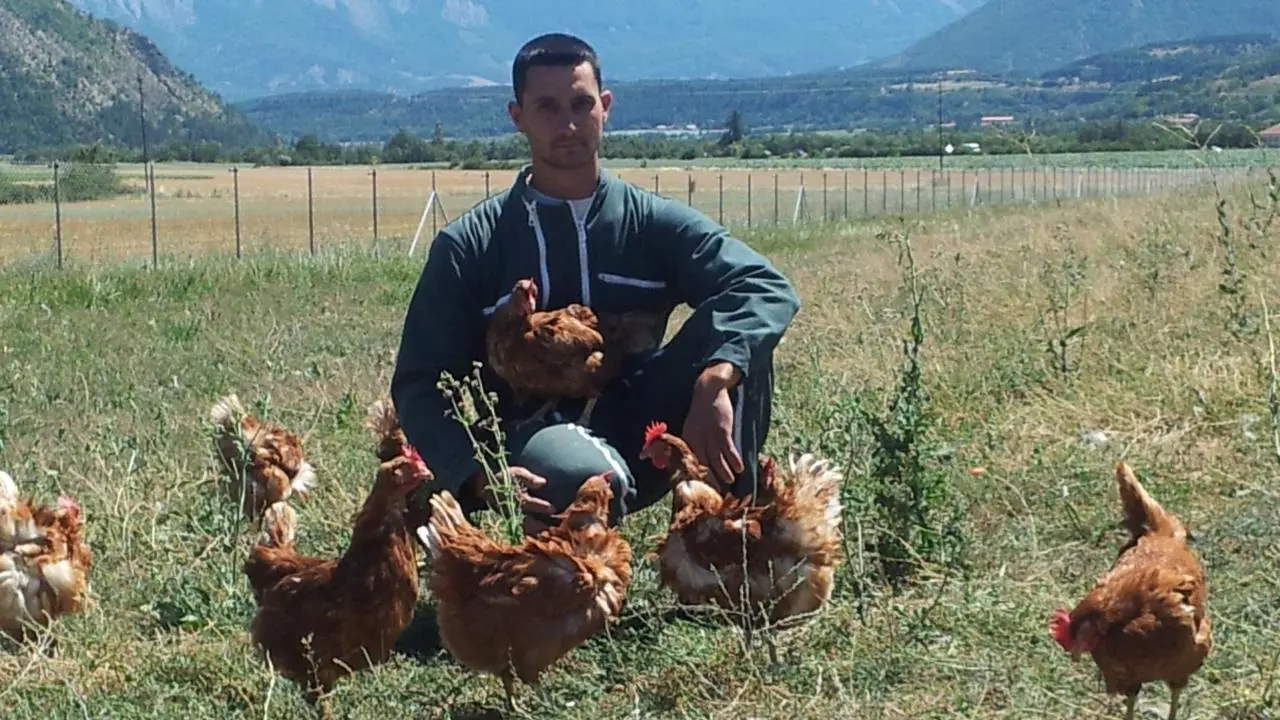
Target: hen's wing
{"type": "Point", "coordinates": [542, 575]}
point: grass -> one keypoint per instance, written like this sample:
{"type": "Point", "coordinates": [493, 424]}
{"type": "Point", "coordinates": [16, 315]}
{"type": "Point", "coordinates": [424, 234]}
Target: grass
{"type": "Point", "coordinates": [106, 374]}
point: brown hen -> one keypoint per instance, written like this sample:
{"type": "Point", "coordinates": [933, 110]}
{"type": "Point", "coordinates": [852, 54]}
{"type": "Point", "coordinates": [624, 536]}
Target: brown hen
{"type": "Point", "coordinates": [320, 619]}
{"type": "Point", "coordinates": [1144, 621]}
{"type": "Point", "coordinates": [788, 534]}
{"type": "Point", "coordinates": [44, 561]}
{"type": "Point", "coordinates": [512, 611]}
{"type": "Point", "coordinates": [548, 353]}
{"type": "Point", "coordinates": [264, 463]}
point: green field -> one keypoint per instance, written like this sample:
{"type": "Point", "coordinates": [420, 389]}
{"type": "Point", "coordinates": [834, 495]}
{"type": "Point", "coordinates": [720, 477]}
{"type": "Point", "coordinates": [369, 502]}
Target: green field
{"type": "Point", "coordinates": [108, 373]}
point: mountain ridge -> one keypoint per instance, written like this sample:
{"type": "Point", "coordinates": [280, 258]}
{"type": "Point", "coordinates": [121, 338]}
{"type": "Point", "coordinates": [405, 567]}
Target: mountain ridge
{"type": "Point", "coordinates": [1035, 36]}
{"type": "Point", "coordinates": [1227, 77]}
{"type": "Point", "coordinates": [408, 46]}
{"type": "Point", "coordinates": [68, 78]}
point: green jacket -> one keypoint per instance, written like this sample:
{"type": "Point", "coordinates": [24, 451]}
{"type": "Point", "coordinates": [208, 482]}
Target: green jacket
{"type": "Point", "coordinates": [635, 251]}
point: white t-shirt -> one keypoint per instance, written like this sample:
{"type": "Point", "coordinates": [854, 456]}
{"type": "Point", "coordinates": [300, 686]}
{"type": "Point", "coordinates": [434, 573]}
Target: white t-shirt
{"type": "Point", "coordinates": [578, 206]}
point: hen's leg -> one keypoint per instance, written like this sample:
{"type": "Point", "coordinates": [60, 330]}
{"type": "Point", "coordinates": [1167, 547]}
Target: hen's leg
{"type": "Point", "coordinates": [1174, 692]}
{"type": "Point", "coordinates": [585, 420]}
{"type": "Point", "coordinates": [547, 407]}
{"type": "Point", "coordinates": [1130, 702]}
{"type": "Point", "coordinates": [509, 686]}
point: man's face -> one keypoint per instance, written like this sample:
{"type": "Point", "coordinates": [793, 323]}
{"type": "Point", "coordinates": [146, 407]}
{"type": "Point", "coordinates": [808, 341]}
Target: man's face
{"type": "Point", "coordinates": [562, 113]}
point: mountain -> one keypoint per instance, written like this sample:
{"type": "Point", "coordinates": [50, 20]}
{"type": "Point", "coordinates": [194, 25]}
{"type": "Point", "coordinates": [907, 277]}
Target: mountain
{"type": "Point", "coordinates": [251, 48]}
{"type": "Point", "coordinates": [1232, 77]}
{"type": "Point", "coordinates": [1033, 36]}
{"type": "Point", "coordinates": [68, 78]}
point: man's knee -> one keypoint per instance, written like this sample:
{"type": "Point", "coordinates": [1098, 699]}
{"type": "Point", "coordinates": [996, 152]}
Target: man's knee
{"type": "Point", "coordinates": [566, 454]}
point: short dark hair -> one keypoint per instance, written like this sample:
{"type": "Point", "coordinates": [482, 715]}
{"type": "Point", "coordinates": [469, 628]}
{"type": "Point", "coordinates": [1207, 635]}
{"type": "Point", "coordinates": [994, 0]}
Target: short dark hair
{"type": "Point", "coordinates": [551, 49]}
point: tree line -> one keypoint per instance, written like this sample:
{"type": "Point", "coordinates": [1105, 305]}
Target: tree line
{"type": "Point", "coordinates": [733, 141]}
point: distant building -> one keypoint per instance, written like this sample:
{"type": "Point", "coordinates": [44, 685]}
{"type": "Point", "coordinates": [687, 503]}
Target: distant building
{"type": "Point", "coordinates": [1271, 136]}
{"type": "Point", "coordinates": [1182, 119]}
{"type": "Point", "coordinates": [990, 120]}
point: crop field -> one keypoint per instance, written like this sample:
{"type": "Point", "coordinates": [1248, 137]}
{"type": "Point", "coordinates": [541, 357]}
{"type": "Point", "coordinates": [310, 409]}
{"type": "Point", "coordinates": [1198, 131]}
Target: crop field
{"type": "Point", "coordinates": [1057, 338]}
{"type": "Point", "coordinates": [202, 209]}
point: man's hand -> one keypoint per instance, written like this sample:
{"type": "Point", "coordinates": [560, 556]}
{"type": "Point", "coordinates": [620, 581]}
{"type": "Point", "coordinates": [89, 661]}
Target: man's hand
{"type": "Point", "coordinates": [708, 428]}
{"type": "Point", "coordinates": [524, 481]}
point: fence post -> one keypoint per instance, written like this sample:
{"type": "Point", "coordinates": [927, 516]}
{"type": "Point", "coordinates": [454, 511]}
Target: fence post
{"type": "Point", "coordinates": [721, 201]}
{"type": "Point", "coordinates": [235, 201]}
{"type": "Point", "coordinates": [846, 194]}
{"type": "Point", "coordinates": [749, 176]}
{"type": "Point", "coordinates": [155, 241]}
{"type": "Point", "coordinates": [824, 196]}
{"type": "Point", "coordinates": [802, 200]}
{"type": "Point", "coordinates": [57, 216]}
{"type": "Point", "coordinates": [655, 184]}
{"type": "Point", "coordinates": [311, 215]}
{"type": "Point", "coordinates": [775, 199]}
{"type": "Point", "coordinates": [689, 189]}
{"type": "Point", "coordinates": [374, 173]}
{"type": "Point", "coordinates": [866, 191]}
{"type": "Point", "coordinates": [486, 184]}
{"type": "Point", "coordinates": [435, 201]}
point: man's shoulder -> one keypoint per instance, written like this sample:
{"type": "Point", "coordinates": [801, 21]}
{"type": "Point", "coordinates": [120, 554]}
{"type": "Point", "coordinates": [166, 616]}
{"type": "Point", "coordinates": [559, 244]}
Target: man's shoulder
{"type": "Point", "coordinates": [475, 225]}
{"type": "Point", "coordinates": [630, 197]}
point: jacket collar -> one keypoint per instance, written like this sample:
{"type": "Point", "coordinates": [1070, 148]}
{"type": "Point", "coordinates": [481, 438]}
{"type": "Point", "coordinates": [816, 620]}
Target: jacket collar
{"type": "Point", "coordinates": [524, 191]}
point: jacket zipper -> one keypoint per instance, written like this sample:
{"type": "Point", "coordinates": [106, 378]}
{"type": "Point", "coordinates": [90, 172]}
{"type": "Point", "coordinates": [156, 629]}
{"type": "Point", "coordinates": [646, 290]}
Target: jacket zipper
{"type": "Point", "coordinates": [581, 226]}
{"type": "Point", "coordinates": [544, 290]}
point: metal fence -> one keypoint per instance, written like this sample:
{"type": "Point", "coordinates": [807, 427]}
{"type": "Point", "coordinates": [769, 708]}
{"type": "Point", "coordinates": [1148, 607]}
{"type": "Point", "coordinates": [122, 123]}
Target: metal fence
{"type": "Point", "coordinates": [180, 211]}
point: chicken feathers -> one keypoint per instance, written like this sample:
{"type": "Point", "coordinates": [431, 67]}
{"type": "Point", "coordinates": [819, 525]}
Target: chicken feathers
{"type": "Point", "coordinates": [1145, 619]}
{"type": "Point", "coordinates": [514, 610]}
{"type": "Point", "coordinates": [44, 561]}
{"type": "Point", "coordinates": [264, 463]}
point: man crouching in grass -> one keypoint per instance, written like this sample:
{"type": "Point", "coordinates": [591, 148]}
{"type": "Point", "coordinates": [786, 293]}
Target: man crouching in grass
{"type": "Point", "coordinates": [588, 237]}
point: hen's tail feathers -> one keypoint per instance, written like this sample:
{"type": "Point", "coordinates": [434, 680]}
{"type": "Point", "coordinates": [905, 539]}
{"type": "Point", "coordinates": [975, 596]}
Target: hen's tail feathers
{"type": "Point", "coordinates": [305, 480]}
{"type": "Point", "coordinates": [8, 491]}
{"type": "Point", "coordinates": [816, 482]}
{"type": "Point", "coordinates": [383, 420]}
{"type": "Point", "coordinates": [227, 412]}
{"type": "Point", "coordinates": [279, 526]}
{"type": "Point", "coordinates": [446, 519]}
{"type": "Point", "coordinates": [1142, 514]}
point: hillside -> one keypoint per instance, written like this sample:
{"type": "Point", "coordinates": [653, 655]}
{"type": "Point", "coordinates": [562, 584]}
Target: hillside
{"type": "Point", "coordinates": [1034, 36]}
{"type": "Point", "coordinates": [65, 78]}
{"type": "Point", "coordinates": [1214, 77]}
{"type": "Point", "coordinates": [237, 48]}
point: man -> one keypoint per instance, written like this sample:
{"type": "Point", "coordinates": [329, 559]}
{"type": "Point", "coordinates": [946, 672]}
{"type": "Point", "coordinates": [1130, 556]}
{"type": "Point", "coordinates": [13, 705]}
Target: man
{"type": "Point", "coordinates": [585, 236]}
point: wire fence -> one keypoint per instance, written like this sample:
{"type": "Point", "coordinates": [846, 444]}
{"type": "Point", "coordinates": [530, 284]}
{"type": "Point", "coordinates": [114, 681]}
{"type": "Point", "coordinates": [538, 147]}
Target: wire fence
{"type": "Point", "coordinates": [180, 211]}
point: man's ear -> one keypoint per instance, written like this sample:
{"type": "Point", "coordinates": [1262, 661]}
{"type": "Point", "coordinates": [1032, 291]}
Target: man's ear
{"type": "Point", "coordinates": [606, 102]}
{"type": "Point", "coordinates": [513, 110]}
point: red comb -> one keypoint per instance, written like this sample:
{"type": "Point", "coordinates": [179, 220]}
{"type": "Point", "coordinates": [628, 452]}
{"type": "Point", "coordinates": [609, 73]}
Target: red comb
{"type": "Point", "coordinates": [654, 431]}
{"type": "Point", "coordinates": [1060, 628]}
{"type": "Point", "coordinates": [411, 453]}
{"type": "Point", "coordinates": [607, 475]}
